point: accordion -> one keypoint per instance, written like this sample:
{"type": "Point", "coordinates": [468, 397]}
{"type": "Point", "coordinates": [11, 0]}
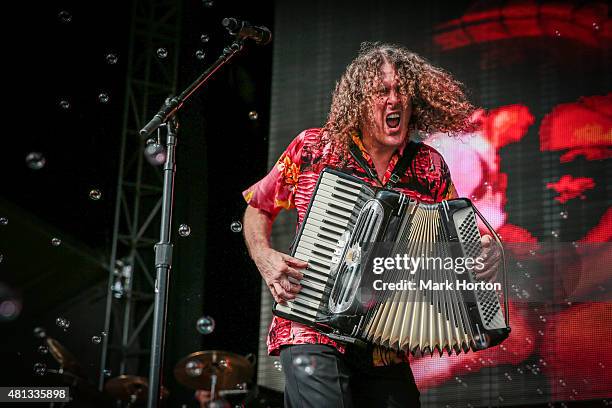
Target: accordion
{"type": "Point", "coordinates": [352, 229]}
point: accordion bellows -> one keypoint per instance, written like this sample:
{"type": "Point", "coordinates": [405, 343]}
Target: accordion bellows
{"type": "Point", "coordinates": [351, 229]}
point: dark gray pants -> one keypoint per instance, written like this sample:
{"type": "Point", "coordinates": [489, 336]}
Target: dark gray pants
{"type": "Point", "coordinates": [318, 376]}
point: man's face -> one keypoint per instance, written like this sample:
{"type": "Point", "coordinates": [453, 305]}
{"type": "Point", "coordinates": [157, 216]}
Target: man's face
{"type": "Point", "coordinates": [386, 126]}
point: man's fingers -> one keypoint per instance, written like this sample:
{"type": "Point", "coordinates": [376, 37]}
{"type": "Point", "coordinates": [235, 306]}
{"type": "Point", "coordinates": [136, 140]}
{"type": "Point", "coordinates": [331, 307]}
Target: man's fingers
{"type": "Point", "coordinates": [484, 275]}
{"type": "Point", "coordinates": [295, 288]}
{"type": "Point", "coordinates": [491, 261]}
{"type": "Point", "coordinates": [488, 273]}
{"type": "Point", "coordinates": [488, 276]}
{"type": "Point", "coordinates": [282, 292]}
{"type": "Point", "coordinates": [290, 287]}
{"type": "Point", "coordinates": [277, 298]}
{"type": "Point", "coordinates": [495, 258]}
{"type": "Point", "coordinates": [489, 254]}
{"type": "Point", "coordinates": [295, 273]}
{"type": "Point", "coordinates": [296, 263]}
{"type": "Point", "coordinates": [486, 252]}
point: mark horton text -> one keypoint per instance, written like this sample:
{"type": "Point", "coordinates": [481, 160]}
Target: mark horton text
{"type": "Point", "coordinates": [428, 264]}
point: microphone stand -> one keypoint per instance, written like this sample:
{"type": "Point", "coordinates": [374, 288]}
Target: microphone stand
{"type": "Point", "coordinates": [175, 103]}
{"type": "Point", "coordinates": [163, 249]}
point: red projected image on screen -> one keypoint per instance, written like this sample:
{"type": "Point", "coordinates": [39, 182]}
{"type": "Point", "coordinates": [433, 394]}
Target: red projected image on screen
{"type": "Point", "coordinates": [484, 22]}
{"type": "Point", "coordinates": [544, 344]}
{"type": "Point", "coordinates": [582, 130]}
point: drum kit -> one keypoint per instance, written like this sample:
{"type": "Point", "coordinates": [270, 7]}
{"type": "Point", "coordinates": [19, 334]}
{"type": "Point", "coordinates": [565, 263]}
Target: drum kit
{"type": "Point", "coordinates": [223, 376]}
{"type": "Point", "coordinates": [226, 375]}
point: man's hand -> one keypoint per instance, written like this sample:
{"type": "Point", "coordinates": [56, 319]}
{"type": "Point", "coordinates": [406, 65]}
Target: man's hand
{"type": "Point", "coordinates": [276, 268]}
{"type": "Point", "coordinates": [491, 256]}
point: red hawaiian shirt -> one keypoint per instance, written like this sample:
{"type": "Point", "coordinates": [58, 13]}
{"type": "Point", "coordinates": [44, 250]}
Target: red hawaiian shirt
{"type": "Point", "coordinates": [291, 182]}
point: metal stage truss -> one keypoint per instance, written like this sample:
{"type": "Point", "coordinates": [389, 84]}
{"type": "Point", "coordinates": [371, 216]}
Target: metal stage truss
{"type": "Point", "coordinates": [152, 68]}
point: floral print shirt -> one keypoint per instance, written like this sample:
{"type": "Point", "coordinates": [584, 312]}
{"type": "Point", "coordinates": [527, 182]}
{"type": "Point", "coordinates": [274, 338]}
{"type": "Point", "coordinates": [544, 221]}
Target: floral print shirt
{"type": "Point", "coordinates": [291, 182]}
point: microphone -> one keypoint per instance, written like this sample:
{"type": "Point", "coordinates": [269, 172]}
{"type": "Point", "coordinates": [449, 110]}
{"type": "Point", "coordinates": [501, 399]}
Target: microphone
{"type": "Point", "coordinates": [243, 29]}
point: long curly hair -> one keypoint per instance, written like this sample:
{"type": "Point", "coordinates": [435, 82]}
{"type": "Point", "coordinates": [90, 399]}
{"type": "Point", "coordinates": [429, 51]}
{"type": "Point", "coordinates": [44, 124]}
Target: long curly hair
{"type": "Point", "coordinates": [438, 100]}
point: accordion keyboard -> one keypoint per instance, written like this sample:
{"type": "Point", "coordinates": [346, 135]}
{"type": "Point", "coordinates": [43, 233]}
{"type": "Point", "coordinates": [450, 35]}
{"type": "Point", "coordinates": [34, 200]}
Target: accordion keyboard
{"type": "Point", "coordinates": [321, 240]}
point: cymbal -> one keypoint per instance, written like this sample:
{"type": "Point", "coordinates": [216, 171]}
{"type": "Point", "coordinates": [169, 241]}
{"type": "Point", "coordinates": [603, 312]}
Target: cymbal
{"type": "Point", "coordinates": [130, 388]}
{"type": "Point", "coordinates": [195, 370]}
{"type": "Point", "coordinates": [66, 360]}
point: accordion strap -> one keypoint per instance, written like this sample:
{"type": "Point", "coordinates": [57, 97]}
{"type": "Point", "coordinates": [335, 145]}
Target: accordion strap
{"type": "Point", "coordinates": [358, 156]}
{"type": "Point", "coordinates": [400, 167]}
{"type": "Point", "coordinates": [403, 163]}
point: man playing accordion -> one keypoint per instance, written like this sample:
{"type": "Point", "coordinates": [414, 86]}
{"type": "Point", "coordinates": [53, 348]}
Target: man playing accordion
{"type": "Point", "coordinates": [386, 94]}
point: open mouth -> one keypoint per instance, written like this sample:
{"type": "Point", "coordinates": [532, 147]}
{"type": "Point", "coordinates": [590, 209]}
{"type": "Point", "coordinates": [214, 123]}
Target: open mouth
{"type": "Point", "coordinates": [393, 120]}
